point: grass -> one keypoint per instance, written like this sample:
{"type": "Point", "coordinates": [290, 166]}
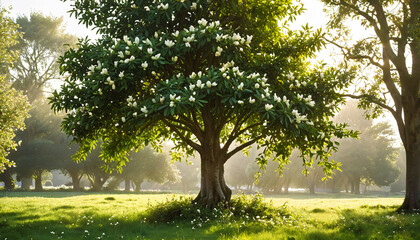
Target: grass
{"type": "Point", "coordinates": [67, 215]}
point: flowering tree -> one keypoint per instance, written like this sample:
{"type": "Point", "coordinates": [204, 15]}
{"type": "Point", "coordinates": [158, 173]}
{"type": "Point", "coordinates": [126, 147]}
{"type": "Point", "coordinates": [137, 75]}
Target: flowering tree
{"type": "Point", "coordinates": [211, 76]}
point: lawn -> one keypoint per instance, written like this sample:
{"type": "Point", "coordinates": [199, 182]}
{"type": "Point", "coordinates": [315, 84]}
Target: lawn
{"type": "Point", "coordinates": [67, 215]}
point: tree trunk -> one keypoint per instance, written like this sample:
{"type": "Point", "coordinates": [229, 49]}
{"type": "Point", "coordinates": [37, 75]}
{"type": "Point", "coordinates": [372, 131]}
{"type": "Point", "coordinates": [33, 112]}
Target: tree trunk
{"type": "Point", "coordinates": [9, 182]}
{"type": "Point", "coordinates": [351, 186]}
{"type": "Point", "coordinates": [76, 182]}
{"type": "Point", "coordinates": [137, 185]}
{"type": "Point", "coordinates": [127, 185]}
{"type": "Point", "coordinates": [38, 181]}
{"type": "Point", "coordinates": [26, 183]}
{"type": "Point", "coordinates": [356, 181]}
{"type": "Point", "coordinates": [213, 189]}
{"type": "Point", "coordinates": [412, 194]}
{"type": "Point", "coordinates": [286, 187]}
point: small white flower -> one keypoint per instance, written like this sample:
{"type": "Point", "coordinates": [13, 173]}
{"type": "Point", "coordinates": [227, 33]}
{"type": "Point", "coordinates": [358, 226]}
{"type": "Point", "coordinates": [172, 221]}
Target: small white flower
{"type": "Point", "coordinates": [175, 34]}
{"type": "Point", "coordinates": [135, 114]}
{"type": "Point", "coordinates": [156, 57]}
{"type": "Point", "coordinates": [192, 99]}
{"type": "Point", "coordinates": [172, 104]}
{"type": "Point", "coordinates": [123, 119]}
{"type": "Point", "coordinates": [144, 65]}
{"type": "Point", "coordinates": [121, 75]}
{"type": "Point", "coordinates": [208, 84]}
{"type": "Point", "coordinates": [251, 100]}
{"type": "Point", "coordinates": [137, 40]}
{"type": "Point", "coordinates": [187, 44]}
{"type": "Point", "coordinates": [144, 109]}
{"type": "Point", "coordinates": [132, 58]}
{"type": "Point", "coordinates": [104, 71]}
{"type": "Point", "coordinates": [257, 85]}
{"type": "Point", "coordinates": [148, 42]}
{"type": "Point", "coordinates": [135, 104]}
{"type": "Point", "coordinates": [162, 99]}
{"type": "Point", "coordinates": [311, 103]}
{"type": "Point", "coordinates": [193, 6]}
{"type": "Point", "coordinates": [200, 84]}
{"type": "Point", "coordinates": [121, 54]}
{"type": "Point", "coordinates": [202, 22]}
{"type": "Point", "coordinates": [169, 43]}
{"type": "Point", "coordinates": [174, 59]}
{"type": "Point", "coordinates": [113, 86]}
{"type": "Point", "coordinates": [172, 97]}
{"type": "Point", "coordinates": [241, 102]}
{"type": "Point", "coordinates": [268, 107]}
{"type": "Point", "coordinates": [150, 51]}
{"type": "Point", "coordinates": [241, 86]}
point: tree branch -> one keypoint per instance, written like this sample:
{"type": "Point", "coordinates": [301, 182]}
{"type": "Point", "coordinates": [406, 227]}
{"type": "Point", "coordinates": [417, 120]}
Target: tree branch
{"type": "Point", "coordinates": [186, 140]}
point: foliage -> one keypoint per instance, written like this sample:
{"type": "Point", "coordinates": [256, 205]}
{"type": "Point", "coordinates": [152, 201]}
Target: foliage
{"type": "Point", "coordinates": [192, 72]}
{"type": "Point", "coordinates": [388, 46]}
{"type": "Point", "coordinates": [13, 105]}
{"type": "Point", "coordinates": [147, 165]}
{"type": "Point", "coordinates": [371, 158]}
{"type": "Point", "coordinates": [41, 43]}
{"type": "Point", "coordinates": [242, 210]}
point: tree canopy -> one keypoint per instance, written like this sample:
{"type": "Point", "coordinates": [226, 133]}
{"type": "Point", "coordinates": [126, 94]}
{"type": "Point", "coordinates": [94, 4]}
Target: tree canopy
{"type": "Point", "coordinates": [204, 75]}
{"type": "Point", "coordinates": [13, 105]}
{"type": "Point", "coordinates": [390, 47]}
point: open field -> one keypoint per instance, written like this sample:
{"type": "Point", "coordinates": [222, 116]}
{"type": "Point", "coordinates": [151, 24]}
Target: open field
{"type": "Point", "coordinates": [66, 215]}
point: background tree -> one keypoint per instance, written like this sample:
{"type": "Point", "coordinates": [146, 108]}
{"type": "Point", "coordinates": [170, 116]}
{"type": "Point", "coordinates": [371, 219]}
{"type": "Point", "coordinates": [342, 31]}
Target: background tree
{"type": "Point", "coordinates": [393, 53]}
{"type": "Point", "coordinates": [43, 41]}
{"type": "Point", "coordinates": [371, 158]}
{"type": "Point", "coordinates": [147, 165]}
{"type": "Point", "coordinates": [205, 75]}
{"type": "Point", "coordinates": [241, 169]}
{"type": "Point", "coordinates": [13, 105]}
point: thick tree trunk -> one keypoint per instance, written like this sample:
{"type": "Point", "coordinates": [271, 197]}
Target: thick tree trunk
{"type": "Point", "coordinates": [26, 183]}
{"type": "Point", "coordinates": [127, 185]}
{"type": "Point", "coordinates": [38, 181]}
{"type": "Point", "coordinates": [76, 182]}
{"type": "Point", "coordinates": [213, 189]}
{"type": "Point", "coordinates": [7, 179]}
{"type": "Point", "coordinates": [412, 195]}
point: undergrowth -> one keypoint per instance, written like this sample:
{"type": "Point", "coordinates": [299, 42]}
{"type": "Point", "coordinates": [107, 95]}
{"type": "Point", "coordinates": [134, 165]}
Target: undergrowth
{"type": "Point", "coordinates": [243, 210]}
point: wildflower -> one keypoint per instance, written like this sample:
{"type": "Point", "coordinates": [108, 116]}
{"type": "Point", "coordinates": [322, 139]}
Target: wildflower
{"type": "Point", "coordinates": [150, 51]}
{"type": "Point", "coordinates": [171, 104]}
{"type": "Point", "coordinates": [251, 100]}
{"type": "Point", "coordinates": [121, 75]}
{"type": "Point", "coordinates": [257, 86]}
{"type": "Point", "coordinates": [174, 59]}
{"type": "Point", "coordinates": [144, 65]}
{"type": "Point", "coordinates": [192, 99]}
{"type": "Point", "coordinates": [104, 71]}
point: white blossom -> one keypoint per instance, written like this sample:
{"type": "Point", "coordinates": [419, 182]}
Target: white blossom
{"type": "Point", "coordinates": [174, 59]}
{"type": "Point", "coordinates": [144, 109]}
{"type": "Point", "coordinates": [192, 99]}
{"type": "Point", "coordinates": [268, 107]}
{"type": "Point", "coordinates": [251, 100]}
{"type": "Point", "coordinates": [172, 104]}
{"type": "Point", "coordinates": [241, 86]}
{"type": "Point", "coordinates": [241, 102]}
{"type": "Point", "coordinates": [193, 6]}
{"type": "Point", "coordinates": [104, 71]}
{"type": "Point", "coordinates": [123, 119]}
{"type": "Point", "coordinates": [121, 54]}
{"type": "Point", "coordinates": [162, 99]}
{"type": "Point", "coordinates": [121, 75]}
{"type": "Point", "coordinates": [144, 65]}
{"type": "Point", "coordinates": [202, 22]}
{"type": "Point", "coordinates": [132, 58]}
{"type": "Point", "coordinates": [150, 51]}
{"type": "Point", "coordinates": [257, 86]}
{"type": "Point", "coordinates": [156, 57]}
{"type": "Point", "coordinates": [169, 43]}
{"type": "Point", "coordinates": [137, 40]}
{"type": "Point", "coordinates": [208, 84]}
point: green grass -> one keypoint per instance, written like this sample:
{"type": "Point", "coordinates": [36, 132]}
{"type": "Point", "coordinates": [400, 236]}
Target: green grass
{"type": "Point", "coordinates": [67, 215]}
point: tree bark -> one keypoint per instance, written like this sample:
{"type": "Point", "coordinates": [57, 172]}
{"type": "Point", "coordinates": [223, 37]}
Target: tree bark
{"type": "Point", "coordinates": [9, 182]}
{"type": "Point", "coordinates": [127, 185]}
{"type": "Point", "coordinates": [76, 182]}
{"type": "Point", "coordinates": [356, 181]}
{"type": "Point", "coordinates": [26, 183]}
{"type": "Point", "coordinates": [138, 185]}
{"type": "Point", "coordinates": [38, 181]}
{"type": "Point", "coordinates": [412, 195]}
{"type": "Point", "coordinates": [213, 189]}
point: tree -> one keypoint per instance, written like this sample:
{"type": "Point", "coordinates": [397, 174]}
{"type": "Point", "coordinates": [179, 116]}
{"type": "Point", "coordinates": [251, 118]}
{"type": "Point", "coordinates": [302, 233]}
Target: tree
{"type": "Point", "coordinates": [370, 159]}
{"type": "Point", "coordinates": [13, 105]}
{"type": "Point", "coordinates": [43, 41]}
{"type": "Point", "coordinates": [43, 146]}
{"type": "Point", "coordinates": [206, 75]}
{"type": "Point", "coordinates": [147, 165]}
{"type": "Point", "coordinates": [394, 53]}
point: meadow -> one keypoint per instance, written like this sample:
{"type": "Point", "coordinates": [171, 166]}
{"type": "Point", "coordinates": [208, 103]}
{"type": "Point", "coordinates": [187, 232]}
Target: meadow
{"type": "Point", "coordinates": [68, 215]}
